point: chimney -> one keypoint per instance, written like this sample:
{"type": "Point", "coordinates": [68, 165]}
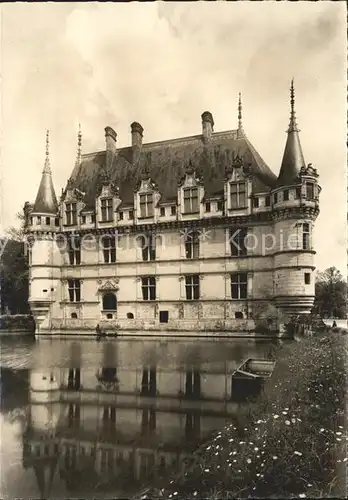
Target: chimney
{"type": "Point", "coordinates": [207, 125]}
{"type": "Point", "coordinates": [110, 145]}
{"type": "Point", "coordinates": [137, 140]}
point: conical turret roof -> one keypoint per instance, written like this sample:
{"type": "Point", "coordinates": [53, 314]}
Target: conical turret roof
{"type": "Point", "coordinates": [46, 200]}
{"type": "Point", "coordinates": [293, 158]}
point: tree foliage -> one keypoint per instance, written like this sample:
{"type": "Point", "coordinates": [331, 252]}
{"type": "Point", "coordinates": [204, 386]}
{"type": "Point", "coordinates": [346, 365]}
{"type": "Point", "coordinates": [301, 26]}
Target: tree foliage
{"type": "Point", "coordinates": [331, 294]}
{"type": "Point", "coordinates": [14, 271]}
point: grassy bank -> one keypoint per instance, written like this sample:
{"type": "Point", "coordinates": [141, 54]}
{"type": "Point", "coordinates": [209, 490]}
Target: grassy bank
{"type": "Point", "coordinates": [292, 443]}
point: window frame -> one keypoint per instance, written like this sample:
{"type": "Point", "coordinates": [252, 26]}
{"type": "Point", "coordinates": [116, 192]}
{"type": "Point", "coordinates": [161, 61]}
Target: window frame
{"type": "Point", "coordinates": [238, 280]}
{"type": "Point", "coordinates": [191, 200]}
{"type": "Point", "coordinates": [148, 288]}
{"type": "Point", "coordinates": [240, 194]}
{"type": "Point", "coordinates": [192, 287]}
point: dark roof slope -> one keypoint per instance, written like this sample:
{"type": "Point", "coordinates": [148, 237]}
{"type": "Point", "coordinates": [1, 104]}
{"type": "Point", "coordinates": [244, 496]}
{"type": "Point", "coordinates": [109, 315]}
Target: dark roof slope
{"type": "Point", "coordinates": [46, 200]}
{"type": "Point", "coordinates": [293, 160]}
{"type": "Point", "coordinates": [166, 162]}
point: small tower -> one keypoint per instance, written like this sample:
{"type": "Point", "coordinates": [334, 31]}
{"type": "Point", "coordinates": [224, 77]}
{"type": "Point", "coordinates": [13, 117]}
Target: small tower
{"type": "Point", "coordinates": [295, 207]}
{"type": "Point", "coordinates": [43, 224]}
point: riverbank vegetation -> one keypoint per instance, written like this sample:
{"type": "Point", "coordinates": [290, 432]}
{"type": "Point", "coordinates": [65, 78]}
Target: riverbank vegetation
{"type": "Point", "coordinates": [291, 444]}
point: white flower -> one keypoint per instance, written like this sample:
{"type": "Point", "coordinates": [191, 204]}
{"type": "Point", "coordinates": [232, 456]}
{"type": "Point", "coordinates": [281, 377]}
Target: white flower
{"type": "Point", "coordinates": [297, 453]}
{"type": "Point", "coordinates": [287, 422]}
{"type": "Point", "coordinates": [274, 458]}
{"type": "Point", "coordinates": [249, 461]}
{"type": "Point", "coordinates": [339, 433]}
{"type": "Point", "coordinates": [275, 416]}
{"type": "Point", "coordinates": [256, 449]}
{"type": "Point", "coordinates": [302, 495]}
{"type": "Point", "coordinates": [206, 470]}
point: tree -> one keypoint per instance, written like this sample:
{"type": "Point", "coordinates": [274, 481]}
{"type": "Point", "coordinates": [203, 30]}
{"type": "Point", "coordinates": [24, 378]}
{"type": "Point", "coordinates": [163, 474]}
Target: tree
{"type": "Point", "coordinates": [14, 270]}
{"type": "Point", "coordinates": [330, 294]}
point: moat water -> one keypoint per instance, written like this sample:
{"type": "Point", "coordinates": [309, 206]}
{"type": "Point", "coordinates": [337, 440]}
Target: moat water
{"type": "Point", "coordinates": [88, 419]}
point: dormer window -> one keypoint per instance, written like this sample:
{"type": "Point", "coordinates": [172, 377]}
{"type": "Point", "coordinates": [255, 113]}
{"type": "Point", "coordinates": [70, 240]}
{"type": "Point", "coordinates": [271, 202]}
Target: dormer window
{"type": "Point", "coordinates": [71, 214]}
{"type": "Point", "coordinates": [106, 209]}
{"type": "Point", "coordinates": [191, 200]}
{"type": "Point", "coordinates": [238, 195]}
{"type": "Point", "coordinates": [146, 205]}
{"type": "Point", "coordinates": [310, 191]}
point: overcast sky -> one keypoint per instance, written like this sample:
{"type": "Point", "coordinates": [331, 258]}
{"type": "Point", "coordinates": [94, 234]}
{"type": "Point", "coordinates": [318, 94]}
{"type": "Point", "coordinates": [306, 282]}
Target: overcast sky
{"type": "Point", "coordinates": [163, 64]}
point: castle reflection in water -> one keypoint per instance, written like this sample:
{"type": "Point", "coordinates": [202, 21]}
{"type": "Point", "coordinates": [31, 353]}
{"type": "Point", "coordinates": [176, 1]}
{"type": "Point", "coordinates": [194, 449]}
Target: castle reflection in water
{"type": "Point", "coordinates": [142, 411]}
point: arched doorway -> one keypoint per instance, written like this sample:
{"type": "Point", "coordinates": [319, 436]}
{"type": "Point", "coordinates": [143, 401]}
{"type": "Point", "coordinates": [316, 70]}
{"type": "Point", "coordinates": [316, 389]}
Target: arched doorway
{"type": "Point", "coordinates": [109, 302]}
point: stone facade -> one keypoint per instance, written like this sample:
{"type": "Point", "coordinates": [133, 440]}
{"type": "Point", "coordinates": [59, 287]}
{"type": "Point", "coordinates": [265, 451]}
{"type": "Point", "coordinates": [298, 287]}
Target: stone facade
{"type": "Point", "coordinates": [223, 248]}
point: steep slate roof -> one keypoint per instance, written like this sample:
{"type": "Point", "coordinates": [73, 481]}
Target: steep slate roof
{"type": "Point", "coordinates": [293, 159]}
{"type": "Point", "coordinates": [46, 200]}
{"type": "Point", "coordinates": [166, 162]}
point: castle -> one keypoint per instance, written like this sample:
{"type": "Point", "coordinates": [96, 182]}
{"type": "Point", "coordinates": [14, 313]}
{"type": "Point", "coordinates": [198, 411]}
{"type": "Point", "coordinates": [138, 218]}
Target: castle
{"type": "Point", "coordinates": [194, 234]}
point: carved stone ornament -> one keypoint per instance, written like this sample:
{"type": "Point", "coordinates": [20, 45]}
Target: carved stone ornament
{"type": "Point", "coordinates": [108, 285]}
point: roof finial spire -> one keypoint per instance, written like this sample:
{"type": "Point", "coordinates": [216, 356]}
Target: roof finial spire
{"type": "Point", "coordinates": [47, 169]}
{"type": "Point", "coordinates": [293, 124]}
{"type": "Point", "coordinates": [79, 144]}
{"type": "Point", "coordinates": [240, 124]}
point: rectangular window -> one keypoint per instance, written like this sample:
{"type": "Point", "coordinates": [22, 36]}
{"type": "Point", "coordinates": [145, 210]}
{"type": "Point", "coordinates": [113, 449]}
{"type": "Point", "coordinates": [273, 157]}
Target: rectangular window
{"type": "Point", "coordinates": [256, 202]}
{"type": "Point", "coordinates": [220, 206]}
{"type": "Point", "coordinates": [237, 241]}
{"type": "Point", "coordinates": [106, 209]}
{"type": "Point", "coordinates": [173, 210]}
{"type": "Point", "coordinates": [38, 220]}
{"type": "Point", "coordinates": [120, 216]}
{"type": "Point", "coordinates": [71, 214]}
{"type": "Point", "coordinates": [48, 221]}
{"type": "Point", "coordinates": [286, 195]}
{"type": "Point", "coordinates": [310, 191]}
{"type": "Point", "coordinates": [131, 215]}
{"type": "Point", "coordinates": [83, 219]}
{"type": "Point", "coordinates": [191, 200]}
{"type": "Point", "coordinates": [74, 379]}
{"type": "Point", "coordinates": [267, 201]}
{"type": "Point", "coordinates": [238, 195]}
{"type": "Point", "coordinates": [239, 285]}
{"type": "Point", "coordinates": [207, 207]}
{"type": "Point", "coordinates": [163, 316]}
{"type": "Point", "coordinates": [74, 251]}
{"type": "Point", "coordinates": [148, 287]}
{"type": "Point", "coordinates": [192, 245]}
{"type": "Point", "coordinates": [306, 236]}
{"type": "Point", "coordinates": [109, 249]}
{"type": "Point", "coordinates": [192, 287]}
{"type": "Point", "coordinates": [148, 242]}
{"type": "Point", "coordinates": [146, 205]}
{"type": "Point", "coordinates": [298, 193]}
{"type": "Point", "coordinates": [74, 289]}
{"type": "Point", "coordinates": [162, 211]}
{"type": "Point", "coordinates": [275, 198]}
{"type": "Point", "coordinates": [307, 278]}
